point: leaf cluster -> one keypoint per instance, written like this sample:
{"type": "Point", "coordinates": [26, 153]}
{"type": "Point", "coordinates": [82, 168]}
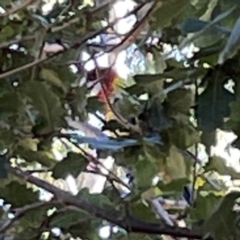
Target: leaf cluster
{"type": "Point", "coordinates": [162, 121]}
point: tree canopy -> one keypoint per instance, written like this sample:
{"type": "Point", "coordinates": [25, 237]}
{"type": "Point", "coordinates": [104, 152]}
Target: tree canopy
{"type": "Point", "coordinates": [164, 134]}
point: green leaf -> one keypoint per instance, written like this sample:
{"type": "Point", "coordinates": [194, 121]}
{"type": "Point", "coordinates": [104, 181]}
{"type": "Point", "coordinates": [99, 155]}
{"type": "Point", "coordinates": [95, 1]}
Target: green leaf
{"type": "Point", "coordinates": [142, 212]}
{"type": "Point", "coordinates": [68, 218]}
{"type": "Point", "coordinates": [164, 14]}
{"type": "Point", "coordinates": [93, 105]}
{"type": "Point", "coordinates": [96, 199]}
{"type": "Point", "coordinates": [43, 157]}
{"type": "Point", "coordinates": [175, 74]}
{"type": "Point", "coordinates": [88, 230]}
{"type": "Point", "coordinates": [52, 77]}
{"type": "Point", "coordinates": [232, 45]}
{"type": "Point", "coordinates": [204, 206]}
{"type": "Point", "coordinates": [128, 156]}
{"type": "Point", "coordinates": [13, 194]}
{"type": "Point", "coordinates": [209, 54]}
{"type": "Point", "coordinates": [35, 217]}
{"type": "Point", "coordinates": [144, 173]}
{"type": "Point", "coordinates": [213, 103]}
{"type": "Point", "coordinates": [127, 107]}
{"type": "Point", "coordinates": [221, 223]}
{"type": "Point", "coordinates": [46, 103]}
{"type": "Point", "coordinates": [147, 79]}
{"type": "Point", "coordinates": [6, 32]}
{"type": "Point", "coordinates": [175, 165]}
{"type": "Point", "coordinates": [182, 135]}
{"type": "Point", "coordinates": [180, 100]}
{"type": "Point", "coordinates": [155, 153]}
{"type": "Point", "coordinates": [220, 165]}
{"type": "Point", "coordinates": [176, 185]}
{"type": "Point", "coordinates": [73, 164]}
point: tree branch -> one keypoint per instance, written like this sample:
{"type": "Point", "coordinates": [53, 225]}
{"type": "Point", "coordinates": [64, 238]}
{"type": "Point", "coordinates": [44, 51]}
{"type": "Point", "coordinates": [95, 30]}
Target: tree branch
{"type": "Point", "coordinates": [111, 216]}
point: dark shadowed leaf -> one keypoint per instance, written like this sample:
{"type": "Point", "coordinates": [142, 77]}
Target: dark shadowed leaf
{"type": "Point", "coordinates": [175, 74]}
{"type": "Point", "coordinates": [155, 153]}
{"type": "Point", "coordinates": [88, 230]}
{"type": "Point", "coordinates": [213, 104]}
{"type": "Point", "coordinates": [183, 136]}
{"type": "Point", "coordinates": [142, 212]}
{"type": "Point", "coordinates": [221, 223]}
{"type": "Point", "coordinates": [73, 164]}
{"type": "Point", "coordinates": [133, 236]}
{"type": "Point", "coordinates": [96, 199]}
{"type": "Point", "coordinates": [181, 100]}
{"type": "Point", "coordinates": [3, 170]}
{"type": "Point", "coordinates": [35, 217]}
{"type": "Point", "coordinates": [10, 103]}
{"type": "Point", "coordinates": [192, 25]}
{"type": "Point", "coordinates": [43, 157]}
{"type": "Point", "coordinates": [156, 116]}
{"type": "Point", "coordinates": [164, 14]}
{"type": "Point", "coordinates": [68, 218]}
{"type": "Point", "coordinates": [176, 185]}
{"type": "Point", "coordinates": [52, 77]}
{"type": "Point", "coordinates": [145, 171]}
{"type": "Point", "coordinates": [209, 54]}
{"type": "Point", "coordinates": [205, 206]}
{"type": "Point", "coordinates": [46, 103]}
{"type": "Point", "coordinates": [13, 194]}
{"type": "Point", "coordinates": [8, 140]}
{"type": "Point", "coordinates": [234, 120]}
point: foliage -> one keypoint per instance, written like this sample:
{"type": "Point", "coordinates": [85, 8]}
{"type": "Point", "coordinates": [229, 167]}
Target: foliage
{"type": "Point", "coordinates": [161, 122]}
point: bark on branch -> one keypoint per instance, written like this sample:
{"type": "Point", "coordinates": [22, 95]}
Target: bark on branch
{"type": "Point", "coordinates": [114, 217]}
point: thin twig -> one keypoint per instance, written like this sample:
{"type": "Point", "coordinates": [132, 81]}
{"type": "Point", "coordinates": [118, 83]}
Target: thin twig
{"type": "Point", "coordinates": [94, 160]}
{"type": "Point", "coordinates": [110, 178]}
{"type": "Point", "coordinates": [74, 46]}
{"type": "Point", "coordinates": [65, 25]}
{"type": "Point", "coordinates": [24, 67]}
{"type": "Point", "coordinates": [195, 175]}
{"type": "Point", "coordinates": [90, 158]}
